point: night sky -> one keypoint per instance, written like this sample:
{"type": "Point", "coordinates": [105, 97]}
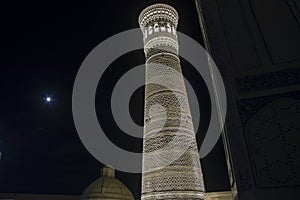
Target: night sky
{"type": "Point", "coordinates": [43, 45]}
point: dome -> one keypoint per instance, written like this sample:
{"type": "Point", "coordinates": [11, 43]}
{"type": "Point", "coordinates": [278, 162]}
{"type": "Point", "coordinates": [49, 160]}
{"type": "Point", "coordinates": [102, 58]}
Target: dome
{"type": "Point", "coordinates": [107, 187]}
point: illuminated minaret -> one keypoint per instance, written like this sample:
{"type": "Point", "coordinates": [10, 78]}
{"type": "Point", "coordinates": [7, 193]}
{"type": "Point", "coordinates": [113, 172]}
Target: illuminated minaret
{"type": "Point", "coordinates": [168, 130]}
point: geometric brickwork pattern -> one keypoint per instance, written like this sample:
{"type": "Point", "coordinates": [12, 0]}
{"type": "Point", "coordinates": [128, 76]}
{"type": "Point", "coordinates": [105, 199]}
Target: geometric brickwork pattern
{"type": "Point", "coordinates": [273, 136]}
{"type": "Point", "coordinates": [168, 130]}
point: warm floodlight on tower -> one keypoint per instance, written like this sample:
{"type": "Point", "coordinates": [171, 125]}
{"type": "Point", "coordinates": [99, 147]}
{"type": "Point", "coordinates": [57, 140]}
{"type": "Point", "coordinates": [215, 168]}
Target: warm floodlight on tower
{"type": "Point", "coordinates": [168, 130]}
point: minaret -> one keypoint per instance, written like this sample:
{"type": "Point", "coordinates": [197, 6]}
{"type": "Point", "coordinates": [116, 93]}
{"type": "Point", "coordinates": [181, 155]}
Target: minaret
{"type": "Point", "coordinates": [168, 131]}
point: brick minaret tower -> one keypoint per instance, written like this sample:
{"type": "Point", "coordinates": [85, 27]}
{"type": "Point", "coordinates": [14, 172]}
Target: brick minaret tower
{"type": "Point", "coordinates": [168, 131]}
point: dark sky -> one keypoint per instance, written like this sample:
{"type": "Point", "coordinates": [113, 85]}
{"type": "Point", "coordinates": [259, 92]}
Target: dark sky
{"type": "Point", "coordinates": [43, 45]}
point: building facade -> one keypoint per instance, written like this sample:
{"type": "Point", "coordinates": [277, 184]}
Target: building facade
{"type": "Point", "coordinates": [256, 45]}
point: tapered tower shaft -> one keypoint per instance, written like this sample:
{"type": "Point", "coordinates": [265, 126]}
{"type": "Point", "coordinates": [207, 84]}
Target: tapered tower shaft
{"type": "Point", "coordinates": [171, 164]}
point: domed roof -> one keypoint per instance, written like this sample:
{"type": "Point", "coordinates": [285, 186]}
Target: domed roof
{"type": "Point", "coordinates": [107, 187]}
